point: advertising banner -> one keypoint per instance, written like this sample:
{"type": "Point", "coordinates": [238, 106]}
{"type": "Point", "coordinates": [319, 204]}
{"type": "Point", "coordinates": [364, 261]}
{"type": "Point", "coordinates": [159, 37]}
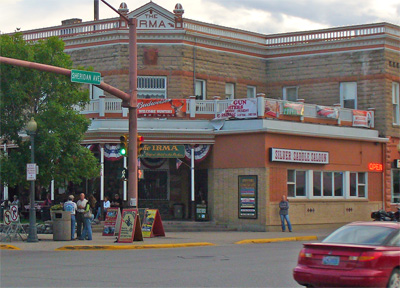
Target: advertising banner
{"type": "Point", "coordinates": [362, 118]}
{"type": "Point", "coordinates": [113, 216]}
{"type": "Point", "coordinates": [152, 225]}
{"type": "Point", "coordinates": [240, 109]}
{"type": "Point", "coordinates": [161, 107]}
{"type": "Point", "coordinates": [295, 109]}
{"type": "Point", "coordinates": [327, 112]}
{"type": "Point", "coordinates": [130, 229]}
{"type": "Point", "coordinates": [271, 108]}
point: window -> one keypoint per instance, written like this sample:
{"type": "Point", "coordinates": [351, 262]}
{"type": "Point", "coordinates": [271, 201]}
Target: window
{"type": "Point", "coordinates": [154, 186]}
{"type": "Point", "coordinates": [200, 89]}
{"type": "Point", "coordinates": [290, 93]}
{"type": "Point", "coordinates": [348, 95]}
{"type": "Point", "coordinates": [358, 184]}
{"type": "Point", "coordinates": [151, 87]}
{"type": "Point", "coordinates": [395, 185]}
{"type": "Point", "coordinates": [230, 91]}
{"type": "Point", "coordinates": [396, 103]}
{"type": "Point", "coordinates": [296, 183]}
{"type": "Point", "coordinates": [251, 92]}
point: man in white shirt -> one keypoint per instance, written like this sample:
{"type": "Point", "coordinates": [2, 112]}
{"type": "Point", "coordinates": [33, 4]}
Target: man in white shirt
{"type": "Point", "coordinates": [79, 214]}
{"type": "Point", "coordinates": [70, 206]}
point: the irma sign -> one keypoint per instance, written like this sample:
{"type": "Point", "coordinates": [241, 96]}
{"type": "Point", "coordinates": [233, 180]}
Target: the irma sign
{"type": "Point", "coordinates": [298, 156]}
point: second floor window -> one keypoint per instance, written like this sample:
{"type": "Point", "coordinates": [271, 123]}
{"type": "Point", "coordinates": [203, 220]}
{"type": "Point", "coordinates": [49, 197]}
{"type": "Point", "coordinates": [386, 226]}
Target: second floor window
{"type": "Point", "coordinates": [251, 92]}
{"type": "Point", "coordinates": [290, 93]}
{"type": "Point", "coordinates": [200, 89]}
{"type": "Point", "coordinates": [348, 95]}
{"type": "Point", "coordinates": [230, 91]}
{"type": "Point", "coordinates": [152, 87]}
{"type": "Point", "coordinates": [396, 103]}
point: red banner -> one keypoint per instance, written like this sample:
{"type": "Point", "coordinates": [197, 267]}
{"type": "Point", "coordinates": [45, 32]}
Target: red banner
{"type": "Point", "coordinates": [161, 107]}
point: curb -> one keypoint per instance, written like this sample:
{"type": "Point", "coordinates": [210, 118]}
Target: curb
{"type": "Point", "coordinates": [259, 241]}
{"type": "Point", "coordinates": [8, 247]}
{"type": "Point", "coordinates": [131, 247]}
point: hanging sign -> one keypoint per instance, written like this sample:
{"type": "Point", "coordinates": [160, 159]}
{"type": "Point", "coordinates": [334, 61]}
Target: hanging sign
{"type": "Point", "coordinates": [295, 109]}
{"type": "Point", "coordinates": [31, 172]}
{"type": "Point", "coordinates": [152, 224]}
{"type": "Point", "coordinates": [248, 196]}
{"type": "Point", "coordinates": [130, 229]}
{"type": "Point", "coordinates": [362, 118]}
{"type": "Point", "coordinates": [113, 216]}
{"type": "Point", "coordinates": [240, 109]}
{"type": "Point", "coordinates": [298, 156]}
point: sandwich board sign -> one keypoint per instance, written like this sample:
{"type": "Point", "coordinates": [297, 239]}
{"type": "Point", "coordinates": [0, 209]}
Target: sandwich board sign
{"type": "Point", "coordinates": [152, 224]}
{"type": "Point", "coordinates": [130, 229]}
{"type": "Point", "coordinates": [111, 223]}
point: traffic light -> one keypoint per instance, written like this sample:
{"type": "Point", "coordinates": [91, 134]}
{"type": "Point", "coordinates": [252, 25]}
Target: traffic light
{"type": "Point", "coordinates": [123, 145]}
{"type": "Point", "coordinates": [140, 145]}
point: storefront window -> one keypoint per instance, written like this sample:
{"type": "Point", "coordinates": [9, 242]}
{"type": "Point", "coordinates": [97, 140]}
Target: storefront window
{"type": "Point", "coordinates": [317, 183]}
{"type": "Point", "coordinates": [154, 186]}
{"type": "Point", "coordinates": [296, 183]}
{"type": "Point", "coordinates": [358, 184]}
{"type": "Point", "coordinates": [338, 176]}
{"type": "Point", "coordinates": [327, 184]}
{"type": "Point", "coordinates": [396, 186]}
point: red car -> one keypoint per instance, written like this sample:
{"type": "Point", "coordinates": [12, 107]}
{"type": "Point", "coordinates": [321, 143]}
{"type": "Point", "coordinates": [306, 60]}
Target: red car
{"type": "Point", "coordinates": [360, 254]}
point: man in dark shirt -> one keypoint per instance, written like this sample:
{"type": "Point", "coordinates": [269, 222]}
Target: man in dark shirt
{"type": "Point", "coordinates": [284, 213]}
{"type": "Point", "coordinates": [117, 202]}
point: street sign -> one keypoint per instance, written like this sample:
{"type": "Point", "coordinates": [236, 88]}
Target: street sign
{"type": "Point", "coordinates": [31, 171]}
{"type": "Point", "coordinates": [88, 77]}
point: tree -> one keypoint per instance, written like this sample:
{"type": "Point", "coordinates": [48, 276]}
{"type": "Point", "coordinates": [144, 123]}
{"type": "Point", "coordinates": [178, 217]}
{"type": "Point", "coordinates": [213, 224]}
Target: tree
{"type": "Point", "coordinates": [55, 103]}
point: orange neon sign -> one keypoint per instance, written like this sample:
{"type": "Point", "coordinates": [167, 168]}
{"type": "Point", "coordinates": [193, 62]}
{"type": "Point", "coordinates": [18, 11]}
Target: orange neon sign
{"type": "Point", "coordinates": [375, 167]}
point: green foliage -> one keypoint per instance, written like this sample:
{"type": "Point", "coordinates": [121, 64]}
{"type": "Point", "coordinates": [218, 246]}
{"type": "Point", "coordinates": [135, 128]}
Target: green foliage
{"type": "Point", "coordinates": [54, 102]}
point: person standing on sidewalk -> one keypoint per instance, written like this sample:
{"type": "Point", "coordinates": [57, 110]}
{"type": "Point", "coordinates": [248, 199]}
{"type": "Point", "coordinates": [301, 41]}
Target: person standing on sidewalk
{"type": "Point", "coordinates": [87, 227]}
{"type": "Point", "coordinates": [70, 206]}
{"type": "Point", "coordinates": [284, 213]}
{"type": "Point", "coordinates": [79, 214]}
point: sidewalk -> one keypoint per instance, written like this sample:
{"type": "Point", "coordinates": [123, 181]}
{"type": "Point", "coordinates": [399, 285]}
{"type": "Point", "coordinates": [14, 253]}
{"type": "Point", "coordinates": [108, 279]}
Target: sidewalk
{"type": "Point", "coordinates": [171, 240]}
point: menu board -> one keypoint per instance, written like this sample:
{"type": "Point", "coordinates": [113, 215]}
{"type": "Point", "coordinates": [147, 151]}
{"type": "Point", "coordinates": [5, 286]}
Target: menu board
{"type": "Point", "coordinates": [130, 229]}
{"type": "Point", "coordinates": [248, 196]}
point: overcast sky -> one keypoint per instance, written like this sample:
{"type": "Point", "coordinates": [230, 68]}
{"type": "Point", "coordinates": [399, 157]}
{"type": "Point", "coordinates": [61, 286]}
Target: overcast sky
{"type": "Point", "coordinates": [263, 16]}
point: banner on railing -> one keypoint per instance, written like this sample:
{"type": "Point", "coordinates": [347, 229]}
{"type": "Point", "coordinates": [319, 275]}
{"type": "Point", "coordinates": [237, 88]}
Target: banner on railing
{"type": "Point", "coordinates": [362, 118]}
{"type": "Point", "coordinates": [296, 109]}
{"type": "Point", "coordinates": [327, 112]}
{"type": "Point", "coordinates": [240, 109]}
{"type": "Point", "coordinates": [271, 108]}
{"type": "Point", "coordinates": [161, 108]}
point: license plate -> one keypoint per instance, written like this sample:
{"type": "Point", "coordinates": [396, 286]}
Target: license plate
{"type": "Point", "coordinates": [331, 260]}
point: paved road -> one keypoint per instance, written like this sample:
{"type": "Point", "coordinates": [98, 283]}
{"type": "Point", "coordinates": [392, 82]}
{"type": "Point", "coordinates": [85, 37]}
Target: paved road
{"type": "Point", "coordinates": [252, 265]}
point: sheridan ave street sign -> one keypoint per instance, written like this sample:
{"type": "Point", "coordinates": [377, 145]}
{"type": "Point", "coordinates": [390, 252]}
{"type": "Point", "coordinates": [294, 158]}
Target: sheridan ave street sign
{"type": "Point", "coordinates": [85, 77]}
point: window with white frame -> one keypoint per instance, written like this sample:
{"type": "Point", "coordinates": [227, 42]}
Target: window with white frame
{"type": "Point", "coordinates": [358, 184]}
{"type": "Point", "coordinates": [395, 186]}
{"type": "Point", "coordinates": [200, 89]}
{"type": "Point", "coordinates": [290, 93]}
{"type": "Point", "coordinates": [296, 183]}
{"type": "Point", "coordinates": [151, 87]}
{"type": "Point", "coordinates": [251, 92]}
{"type": "Point", "coordinates": [396, 103]}
{"type": "Point", "coordinates": [230, 91]}
{"type": "Point", "coordinates": [348, 95]}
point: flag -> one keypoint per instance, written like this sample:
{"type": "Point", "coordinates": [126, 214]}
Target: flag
{"type": "Point", "coordinates": [178, 163]}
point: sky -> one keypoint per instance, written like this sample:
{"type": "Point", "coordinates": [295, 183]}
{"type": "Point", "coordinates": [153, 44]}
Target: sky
{"type": "Point", "coordinates": [262, 16]}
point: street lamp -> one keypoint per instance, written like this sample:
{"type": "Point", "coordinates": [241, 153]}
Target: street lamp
{"type": "Point", "coordinates": [31, 128]}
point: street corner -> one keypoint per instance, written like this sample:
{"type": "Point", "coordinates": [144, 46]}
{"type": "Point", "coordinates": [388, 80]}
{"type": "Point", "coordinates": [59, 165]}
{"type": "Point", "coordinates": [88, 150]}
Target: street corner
{"type": "Point", "coordinates": [8, 247]}
{"type": "Point", "coordinates": [131, 247]}
{"type": "Point", "coordinates": [270, 240]}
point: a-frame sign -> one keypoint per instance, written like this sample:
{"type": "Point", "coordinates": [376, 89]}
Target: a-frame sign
{"type": "Point", "coordinates": [152, 224]}
{"type": "Point", "coordinates": [130, 229]}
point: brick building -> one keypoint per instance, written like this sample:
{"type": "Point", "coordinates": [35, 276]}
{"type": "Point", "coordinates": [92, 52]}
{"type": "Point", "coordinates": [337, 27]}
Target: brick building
{"type": "Point", "coordinates": [348, 68]}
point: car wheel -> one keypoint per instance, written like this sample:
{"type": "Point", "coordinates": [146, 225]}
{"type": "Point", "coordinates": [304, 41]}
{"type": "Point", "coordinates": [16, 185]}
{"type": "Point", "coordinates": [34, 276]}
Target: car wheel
{"type": "Point", "coordinates": [394, 280]}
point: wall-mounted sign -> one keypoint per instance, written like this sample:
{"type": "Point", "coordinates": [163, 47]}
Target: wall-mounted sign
{"type": "Point", "coordinates": [163, 151]}
{"type": "Point", "coordinates": [298, 156]}
{"type": "Point", "coordinates": [161, 108]}
{"type": "Point", "coordinates": [375, 167]}
{"type": "Point", "coordinates": [248, 196]}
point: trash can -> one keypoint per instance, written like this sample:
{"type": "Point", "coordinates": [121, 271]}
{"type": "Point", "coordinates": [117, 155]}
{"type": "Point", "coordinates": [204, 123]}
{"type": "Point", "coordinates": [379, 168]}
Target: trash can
{"type": "Point", "coordinates": [201, 212]}
{"type": "Point", "coordinates": [61, 225]}
{"type": "Point", "coordinates": [178, 211]}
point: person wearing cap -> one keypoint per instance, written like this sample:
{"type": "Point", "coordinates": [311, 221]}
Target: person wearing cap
{"type": "Point", "coordinates": [70, 206]}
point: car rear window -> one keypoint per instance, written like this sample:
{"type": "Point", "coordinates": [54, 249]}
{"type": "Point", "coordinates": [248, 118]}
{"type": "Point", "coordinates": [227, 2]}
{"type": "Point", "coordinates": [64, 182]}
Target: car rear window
{"type": "Point", "coordinates": [364, 235]}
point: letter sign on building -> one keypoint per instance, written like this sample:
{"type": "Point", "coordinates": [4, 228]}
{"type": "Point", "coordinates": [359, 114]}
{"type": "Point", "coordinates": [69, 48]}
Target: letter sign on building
{"type": "Point", "coordinates": [298, 156]}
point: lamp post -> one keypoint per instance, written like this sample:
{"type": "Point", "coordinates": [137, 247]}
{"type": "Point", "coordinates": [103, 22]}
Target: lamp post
{"type": "Point", "coordinates": [31, 128]}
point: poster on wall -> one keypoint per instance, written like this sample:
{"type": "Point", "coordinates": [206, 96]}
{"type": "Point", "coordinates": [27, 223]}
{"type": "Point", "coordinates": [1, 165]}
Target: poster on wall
{"type": "Point", "coordinates": [248, 196]}
{"type": "Point", "coordinates": [161, 108]}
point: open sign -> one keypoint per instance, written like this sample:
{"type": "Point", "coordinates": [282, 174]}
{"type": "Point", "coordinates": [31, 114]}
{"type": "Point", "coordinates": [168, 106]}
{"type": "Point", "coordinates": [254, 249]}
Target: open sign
{"type": "Point", "coordinates": [375, 167]}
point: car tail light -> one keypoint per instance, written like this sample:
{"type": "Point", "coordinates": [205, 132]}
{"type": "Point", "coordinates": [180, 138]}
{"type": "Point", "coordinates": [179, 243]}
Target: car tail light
{"type": "Point", "coordinates": [303, 255]}
{"type": "Point", "coordinates": [366, 256]}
